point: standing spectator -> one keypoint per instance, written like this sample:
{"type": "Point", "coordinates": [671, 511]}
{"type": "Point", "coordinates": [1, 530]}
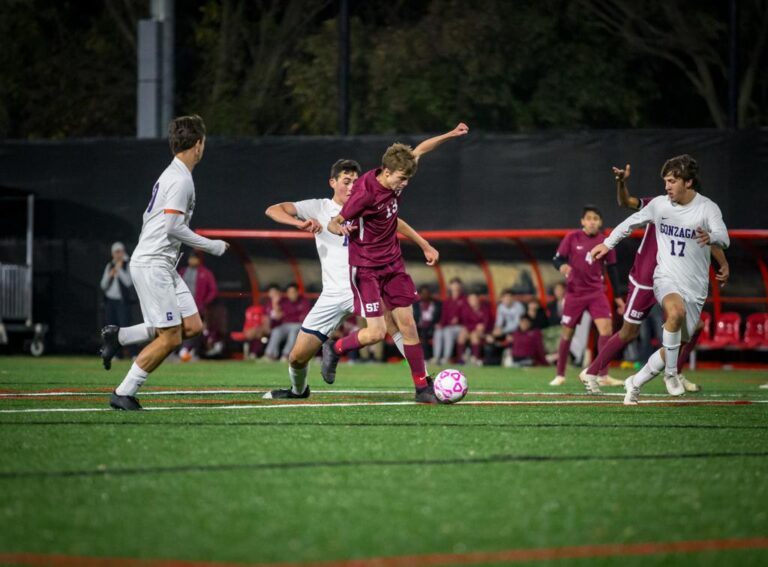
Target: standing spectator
{"type": "Point", "coordinates": [286, 318]}
{"type": "Point", "coordinates": [555, 307]}
{"type": "Point", "coordinates": [527, 344]}
{"type": "Point", "coordinates": [202, 285]}
{"type": "Point", "coordinates": [536, 315]}
{"type": "Point", "coordinates": [449, 328]}
{"type": "Point", "coordinates": [426, 312]}
{"type": "Point", "coordinates": [118, 288]}
{"type": "Point", "coordinates": [475, 318]}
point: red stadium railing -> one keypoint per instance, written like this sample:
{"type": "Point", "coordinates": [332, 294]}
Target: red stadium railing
{"type": "Point", "coordinates": [750, 238]}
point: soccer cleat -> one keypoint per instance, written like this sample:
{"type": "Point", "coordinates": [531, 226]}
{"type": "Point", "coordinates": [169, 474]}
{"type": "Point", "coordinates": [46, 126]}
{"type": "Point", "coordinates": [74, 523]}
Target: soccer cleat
{"type": "Point", "coordinates": [609, 381]}
{"type": "Point", "coordinates": [673, 384]}
{"type": "Point", "coordinates": [127, 403]}
{"type": "Point", "coordinates": [557, 381]}
{"type": "Point", "coordinates": [286, 394]}
{"type": "Point", "coordinates": [633, 392]}
{"type": "Point", "coordinates": [110, 346]}
{"type": "Point", "coordinates": [590, 383]}
{"type": "Point", "coordinates": [689, 386]}
{"type": "Point", "coordinates": [330, 362]}
{"type": "Point", "coordinates": [426, 395]}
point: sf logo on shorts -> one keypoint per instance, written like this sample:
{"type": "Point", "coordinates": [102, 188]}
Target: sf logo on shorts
{"type": "Point", "coordinates": [371, 307]}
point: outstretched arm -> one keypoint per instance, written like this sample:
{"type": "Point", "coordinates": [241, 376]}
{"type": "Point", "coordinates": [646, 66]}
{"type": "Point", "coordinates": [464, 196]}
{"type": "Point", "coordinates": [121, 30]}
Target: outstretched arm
{"type": "Point", "coordinates": [431, 255]}
{"type": "Point", "coordinates": [286, 213]}
{"type": "Point", "coordinates": [428, 145]}
{"type": "Point", "coordinates": [623, 197]}
{"type": "Point", "coordinates": [637, 220]}
{"type": "Point", "coordinates": [178, 230]}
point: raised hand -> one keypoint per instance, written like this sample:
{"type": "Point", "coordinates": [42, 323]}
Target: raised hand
{"type": "Point", "coordinates": [460, 130]}
{"type": "Point", "coordinates": [432, 255]}
{"type": "Point", "coordinates": [621, 174]}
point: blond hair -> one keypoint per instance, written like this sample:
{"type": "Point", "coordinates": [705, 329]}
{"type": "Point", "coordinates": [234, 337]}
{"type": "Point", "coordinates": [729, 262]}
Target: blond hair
{"type": "Point", "coordinates": [399, 157]}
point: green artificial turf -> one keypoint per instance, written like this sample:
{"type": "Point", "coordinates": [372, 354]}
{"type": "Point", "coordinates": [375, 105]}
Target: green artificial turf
{"type": "Point", "coordinates": [295, 484]}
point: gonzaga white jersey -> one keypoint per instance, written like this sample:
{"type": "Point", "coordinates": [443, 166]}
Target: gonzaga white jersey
{"type": "Point", "coordinates": [680, 258]}
{"type": "Point", "coordinates": [174, 190]}
{"type": "Point", "coordinates": [332, 249]}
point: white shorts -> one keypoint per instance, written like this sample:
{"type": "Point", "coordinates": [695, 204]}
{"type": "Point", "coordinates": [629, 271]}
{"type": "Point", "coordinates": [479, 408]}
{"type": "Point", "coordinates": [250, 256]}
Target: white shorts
{"type": "Point", "coordinates": [327, 313]}
{"type": "Point", "coordinates": [663, 286]}
{"type": "Point", "coordinates": [165, 298]}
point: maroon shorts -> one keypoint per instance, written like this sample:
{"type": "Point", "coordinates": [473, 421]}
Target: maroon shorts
{"type": "Point", "coordinates": [574, 307]}
{"type": "Point", "coordinates": [640, 301]}
{"type": "Point", "coordinates": [378, 287]}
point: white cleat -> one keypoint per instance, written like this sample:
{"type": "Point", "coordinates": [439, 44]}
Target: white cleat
{"type": "Point", "coordinates": [689, 386]}
{"type": "Point", "coordinates": [609, 381]}
{"type": "Point", "coordinates": [557, 381]}
{"type": "Point", "coordinates": [673, 384]}
{"type": "Point", "coordinates": [590, 383]}
{"type": "Point", "coordinates": [633, 392]}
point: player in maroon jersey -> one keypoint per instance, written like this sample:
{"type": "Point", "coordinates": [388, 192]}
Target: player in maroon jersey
{"type": "Point", "coordinates": [377, 269]}
{"type": "Point", "coordinates": [584, 287]}
{"type": "Point", "coordinates": [640, 297]}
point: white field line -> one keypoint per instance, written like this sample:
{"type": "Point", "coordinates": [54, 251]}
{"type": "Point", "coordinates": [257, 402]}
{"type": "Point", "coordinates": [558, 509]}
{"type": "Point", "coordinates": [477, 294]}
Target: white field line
{"type": "Point", "coordinates": [203, 392]}
{"type": "Point", "coordinates": [378, 404]}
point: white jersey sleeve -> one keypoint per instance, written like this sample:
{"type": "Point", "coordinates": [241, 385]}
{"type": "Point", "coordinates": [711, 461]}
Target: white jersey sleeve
{"type": "Point", "coordinates": [309, 209]}
{"type": "Point", "coordinates": [714, 224]}
{"type": "Point", "coordinates": [636, 220]}
{"type": "Point", "coordinates": [180, 195]}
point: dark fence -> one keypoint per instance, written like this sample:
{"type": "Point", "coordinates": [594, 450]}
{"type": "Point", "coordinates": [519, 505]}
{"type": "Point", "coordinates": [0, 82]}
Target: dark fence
{"type": "Point", "coordinates": [93, 192]}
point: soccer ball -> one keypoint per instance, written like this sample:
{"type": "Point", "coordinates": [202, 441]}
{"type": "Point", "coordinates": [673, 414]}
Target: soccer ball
{"type": "Point", "coordinates": [450, 386]}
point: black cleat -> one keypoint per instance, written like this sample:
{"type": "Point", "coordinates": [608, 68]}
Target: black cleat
{"type": "Point", "coordinates": [286, 394]}
{"type": "Point", "coordinates": [110, 346]}
{"type": "Point", "coordinates": [330, 362]}
{"type": "Point", "coordinates": [426, 395]}
{"type": "Point", "coordinates": [127, 403]}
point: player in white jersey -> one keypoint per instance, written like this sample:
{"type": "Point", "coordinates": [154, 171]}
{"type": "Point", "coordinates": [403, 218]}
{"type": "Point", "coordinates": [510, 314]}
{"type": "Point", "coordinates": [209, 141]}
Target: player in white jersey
{"type": "Point", "coordinates": [336, 300]}
{"type": "Point", "coordinates": [687, 225]}
{"type": "Point", "coordinates": [167, 306]}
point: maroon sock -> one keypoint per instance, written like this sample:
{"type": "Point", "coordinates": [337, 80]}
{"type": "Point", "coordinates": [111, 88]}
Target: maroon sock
{"type": "Point", "coordinates": [460, 353]}
{"type": "Point", "coordinates": [685, 352]}
{"type": "Point", "coordinates": [601, 341]}
{"type": "Point", "coordinates": [608, 351]}
{"type": "Point", "coordinates": [477, 351]}
{"type": "Point", "coordinates": [562, 356]}
{"type": "Point", "coordinates": [346, 344]}
{"type": "Point", "coordinates": [414, 354]}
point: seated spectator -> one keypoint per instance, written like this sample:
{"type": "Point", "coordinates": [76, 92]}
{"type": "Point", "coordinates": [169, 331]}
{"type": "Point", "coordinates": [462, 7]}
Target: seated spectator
{"type": "Point", "coordinates": [202, 285]}
{"type": "Point", "coordinates": [537, 315]}
{"type": "Point", "coordinates": [286, 315]}
{"type": "Point", "coordinates": [255, 330]}
{"type": "Point", "coordinates": [508, 313]}
{"type": "Point", "coordinates": [475, 318]}
{"type": "Point", "coordinates": [426, 312]}
{"type": "Point", "coordinates": [448, 328]}
{"type": "Point", "coordinates": [527, 345]}
{"type": "Point", "coordinates": [555, 307]}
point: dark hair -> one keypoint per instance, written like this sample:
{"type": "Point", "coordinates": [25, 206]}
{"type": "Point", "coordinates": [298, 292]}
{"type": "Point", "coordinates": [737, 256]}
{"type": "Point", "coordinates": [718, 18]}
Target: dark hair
{"type": "Point", "coordinates": [456, 280]}
{"type": "Point", "coordinates": [682, 167]}
{"type": "Point", "coordinates": [290, 285]}
{"type": "Point", "coordinates": [344, 166]}
{"type": "Point", "coordinates": [400, 157]}
{"type": "Point", "coordinates": [273, 286]}
{"type": "Point", "coordinates": [184, 132]}
{"type": "Point", "coordinates": [593, 209]}
{"type": "Point", "coordinates": [526, 318]}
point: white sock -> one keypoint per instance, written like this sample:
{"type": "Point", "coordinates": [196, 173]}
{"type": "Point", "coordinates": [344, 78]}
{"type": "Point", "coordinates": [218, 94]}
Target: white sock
{"type": "Point", "coordinates": [134, 335]}
{"type": "Point", "coordinates": [651, 369]}
{"type": "Point", "coordinates": [671, 343]}
{"type": "Point", "coordinates": [298, 379]}
{"type": "Point", "coordinates": [397, 338]}
{"type": "Point", "coordinates": [132, 381]}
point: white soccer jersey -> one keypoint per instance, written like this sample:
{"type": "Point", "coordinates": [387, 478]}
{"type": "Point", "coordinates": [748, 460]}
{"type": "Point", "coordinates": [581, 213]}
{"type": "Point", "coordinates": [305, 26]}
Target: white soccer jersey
{"type": "Point", "coordinates": [680, 258]}
{"type": "Point", "coordinates": [332, 249]}
{"type": "Point", "coordinates": [174, 190]}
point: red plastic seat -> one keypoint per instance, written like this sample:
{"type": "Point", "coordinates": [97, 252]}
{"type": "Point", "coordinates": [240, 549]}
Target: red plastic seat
{"type": "Point", "coordinates": [727, 331]}
{"type": "Point", "coordinates": [254, 317]}
{"type": "Point", "coordinates": [756, 331]}
{"type": "Point", "coordinates": [705, 339]}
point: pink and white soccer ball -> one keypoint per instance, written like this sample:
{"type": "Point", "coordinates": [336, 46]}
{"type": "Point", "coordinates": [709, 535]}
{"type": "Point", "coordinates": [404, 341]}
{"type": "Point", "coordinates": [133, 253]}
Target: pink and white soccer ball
{"type": "Point", "coordinates": [450, 386]}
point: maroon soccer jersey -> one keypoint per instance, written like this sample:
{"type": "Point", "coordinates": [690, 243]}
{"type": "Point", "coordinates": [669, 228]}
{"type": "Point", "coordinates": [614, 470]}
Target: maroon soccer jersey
{"type": "Point", "coordinates": [586, 275]}
{"type": "Point", "coordinates": [294, 312]}
{"type": "Point", "coordinates": [471, 318]}
{"type": "Point", "coordinates": [645, 259]}
{"type": "Point", "coordinates": [373, 209]}
{"type": "Point", "coordinates": [451, 310]}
